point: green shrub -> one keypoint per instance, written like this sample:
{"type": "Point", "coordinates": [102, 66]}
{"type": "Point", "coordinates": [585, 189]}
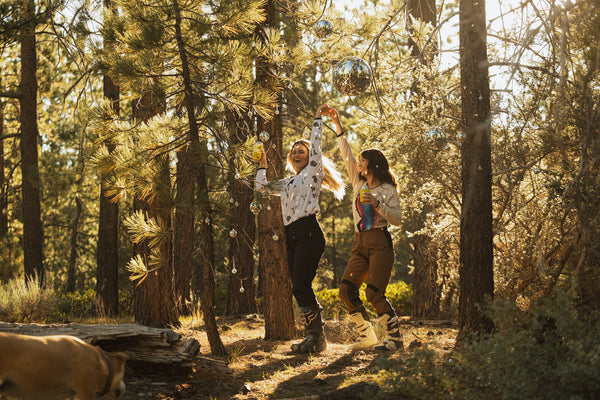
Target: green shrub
{"type": "Point", "coordinates": [545, 352]}
{"type": "Point", "coordinates": [77, 304]}
{"type": "Point", "coordinates": [398, 293]}
{"type": "Point", "coordinates": [22, 301]}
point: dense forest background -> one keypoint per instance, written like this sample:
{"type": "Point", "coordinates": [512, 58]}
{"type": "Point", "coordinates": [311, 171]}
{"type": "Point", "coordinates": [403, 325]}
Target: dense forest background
{"type": "Point", "coordinates": [126, 133]}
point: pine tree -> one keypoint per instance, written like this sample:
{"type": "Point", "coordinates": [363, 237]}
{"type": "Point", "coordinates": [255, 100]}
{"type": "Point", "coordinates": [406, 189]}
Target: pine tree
{"type": "Point", "coordinates": [476, 253]}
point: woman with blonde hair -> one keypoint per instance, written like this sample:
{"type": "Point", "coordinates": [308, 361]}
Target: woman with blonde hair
{"type": "Point", "coordinates": [305, 241]}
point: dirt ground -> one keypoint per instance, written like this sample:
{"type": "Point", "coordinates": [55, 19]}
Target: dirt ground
{"type": "Point", "coordinates": [260, 369]}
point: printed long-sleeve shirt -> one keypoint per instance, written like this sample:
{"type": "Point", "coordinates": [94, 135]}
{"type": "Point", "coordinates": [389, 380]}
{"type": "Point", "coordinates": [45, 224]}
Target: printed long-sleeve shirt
{"type": "Point", "coordinates": [299, 193]}
{"type": "Point", "coordinates": [366, 216]}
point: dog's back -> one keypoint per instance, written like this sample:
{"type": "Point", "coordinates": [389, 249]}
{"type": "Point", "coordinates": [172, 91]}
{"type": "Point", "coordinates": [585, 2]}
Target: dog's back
{"type": "Point", "coordinates": [57, 367]}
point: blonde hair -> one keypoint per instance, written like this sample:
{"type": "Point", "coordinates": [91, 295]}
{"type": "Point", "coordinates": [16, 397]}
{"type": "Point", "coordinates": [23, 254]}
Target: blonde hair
{"type": "Point", "coordinates": [332, 179]}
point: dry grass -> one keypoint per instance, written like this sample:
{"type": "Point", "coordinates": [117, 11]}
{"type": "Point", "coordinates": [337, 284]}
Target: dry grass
{"type": "Point", "coordinates": [261, 369]}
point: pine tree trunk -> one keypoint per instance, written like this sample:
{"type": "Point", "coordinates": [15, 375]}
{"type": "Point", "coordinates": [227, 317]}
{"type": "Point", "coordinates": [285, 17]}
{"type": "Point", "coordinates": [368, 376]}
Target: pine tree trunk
{"type": "Point", "coordinates": [154, 296]}
{"type": "Point", "coordinates": [240, 253]}
{"type": "Point", "coordinates": [33, 235]}
{"type": "Point", "coordinates": [425, 276]}
{"type": "Point", "coordinates": [184, 234]}
{"type": "Point", "coordinates": [107, 256]}
{"type": "Point", "coordinates": [3, 192]}
{"type": "Point", "coordinates": [476, 252]}
{"type": "Point", "coordinates": [426, 297]}
{"type": "Point", "coordinates": [206, 260]}
{"type": "Point", "coordinates": [72, 267]}
{"type": "Point", "coordinates": [276, 286]}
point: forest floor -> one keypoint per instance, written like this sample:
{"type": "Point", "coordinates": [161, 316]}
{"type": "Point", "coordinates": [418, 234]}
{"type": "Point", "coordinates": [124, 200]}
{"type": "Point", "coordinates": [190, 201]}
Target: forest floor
{"type": "Point", "coordinates": [262, 369]}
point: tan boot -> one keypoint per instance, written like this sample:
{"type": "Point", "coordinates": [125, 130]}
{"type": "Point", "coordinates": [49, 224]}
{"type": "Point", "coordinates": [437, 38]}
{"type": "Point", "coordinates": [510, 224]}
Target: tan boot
{"type": "Point", "coordinates": [367, 338]}
{"type": "Point", "coordinates": [393, 339]}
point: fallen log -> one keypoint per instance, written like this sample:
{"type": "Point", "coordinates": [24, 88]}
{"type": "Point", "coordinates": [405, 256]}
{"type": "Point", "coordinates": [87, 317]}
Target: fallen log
{"type": "Point", "coordinates": [139, 343]}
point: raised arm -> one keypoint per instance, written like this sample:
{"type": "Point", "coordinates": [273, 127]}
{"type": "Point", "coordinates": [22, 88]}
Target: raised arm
{"type": "Point", "coordinates": [345, 150]}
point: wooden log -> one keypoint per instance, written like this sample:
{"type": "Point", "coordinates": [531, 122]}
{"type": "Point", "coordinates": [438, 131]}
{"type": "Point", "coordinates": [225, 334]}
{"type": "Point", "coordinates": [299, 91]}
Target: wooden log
{"type": "Point", "coordinates": [139, 343]}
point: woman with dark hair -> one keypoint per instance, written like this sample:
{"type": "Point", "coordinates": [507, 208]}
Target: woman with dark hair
{"type": "Point", "coordinates": [305, 241]}
{"type": "Point", "coordinates": [375, 205]}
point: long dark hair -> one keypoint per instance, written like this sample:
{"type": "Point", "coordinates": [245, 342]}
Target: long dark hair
{"type": "Point", "coordinates": [378, 166]}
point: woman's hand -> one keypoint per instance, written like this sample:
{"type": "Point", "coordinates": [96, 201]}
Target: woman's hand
{"type": "Point", "coordinates": [325, 109]}
{"type": "Point", "coordinates": [322, 110]}
{"type": "Point", "coordinates": [262, 163]}
{"type": "Point", "coordinates": [368, 198]}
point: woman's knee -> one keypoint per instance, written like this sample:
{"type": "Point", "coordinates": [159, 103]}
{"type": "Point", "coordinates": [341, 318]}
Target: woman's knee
{"type": "Point", "coordinates": [349, 294]}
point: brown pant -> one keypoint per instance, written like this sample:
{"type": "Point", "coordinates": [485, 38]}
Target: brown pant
{"type": "Point", "coordinates": [371, 261]}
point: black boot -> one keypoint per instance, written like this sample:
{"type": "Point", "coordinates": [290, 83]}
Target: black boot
{"type": "Point", "coordinates": [315, 341]}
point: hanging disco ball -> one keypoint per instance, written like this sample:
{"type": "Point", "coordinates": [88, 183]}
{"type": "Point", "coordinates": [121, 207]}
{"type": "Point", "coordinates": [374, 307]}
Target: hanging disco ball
{"type": "Point", "coordinates": [263, 136]}
{"type": "Point", "coordinates": [255, 207]}
{"type": "Point", "coordinates": [436, 137]}
{"type": "Point", "coordinates": [352, 75]}
{"type": "Point", "coordinates": [323, 28]}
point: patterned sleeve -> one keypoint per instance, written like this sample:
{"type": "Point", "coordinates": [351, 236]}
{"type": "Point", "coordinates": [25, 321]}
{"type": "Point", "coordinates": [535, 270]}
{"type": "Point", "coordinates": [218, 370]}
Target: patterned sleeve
{"type": "Point", "coordinates": [315, 153]}
{"type": "Point", "coordinates": [263, 184]}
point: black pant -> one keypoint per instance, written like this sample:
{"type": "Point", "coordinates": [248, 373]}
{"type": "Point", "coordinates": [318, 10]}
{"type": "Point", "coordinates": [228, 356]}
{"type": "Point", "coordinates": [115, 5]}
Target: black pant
{"type": "Point", "coordinates": [305, 244]}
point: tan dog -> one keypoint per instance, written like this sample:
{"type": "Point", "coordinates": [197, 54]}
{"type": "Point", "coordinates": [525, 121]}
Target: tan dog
{"type": "Point", "coordinates": [57, 367]}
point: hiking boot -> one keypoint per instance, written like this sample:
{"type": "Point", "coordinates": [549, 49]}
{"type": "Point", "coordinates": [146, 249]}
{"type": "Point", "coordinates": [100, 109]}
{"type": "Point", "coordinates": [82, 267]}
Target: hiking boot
{"type": "Point", "coordinates": [393, 339]}
{"type": "Point", "coordinates": [367, 337]}
{"type": "Point", "coordinates": [315, 341]}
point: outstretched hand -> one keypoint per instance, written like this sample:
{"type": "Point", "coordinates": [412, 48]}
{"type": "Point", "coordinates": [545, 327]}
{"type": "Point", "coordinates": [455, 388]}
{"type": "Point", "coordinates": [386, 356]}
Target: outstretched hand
{"type": "Point", "coordinates": [325, 109]}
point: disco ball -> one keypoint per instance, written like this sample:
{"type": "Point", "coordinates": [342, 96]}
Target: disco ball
{"type": "Point", "coordinates": [352, 75]}
{"type": "Point", "coordinates": [255, 207]}
{"type": "Point", "coordinates": [436, 137]}
{"type": "Point", "coordinates": [263, 136]}
{"type": "Point", "coordinates": [323, 28]}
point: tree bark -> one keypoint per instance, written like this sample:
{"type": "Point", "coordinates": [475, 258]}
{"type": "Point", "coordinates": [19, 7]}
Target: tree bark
{"type": "Point", "coordinates": [476, 252]}
{"type": "Point", "coordinates": [154, 296]}
{"type": "Point", "coordinates": [107, 256]}
{"type": "Point", "coordinates": [71, 270]}
{"type": "Point", "coordinates": [426, 296]}
{"type": "Point", "coordinates": [206, 261]}
{"type": "Point", "coordinates": [240, 252]}
{"type": "Point", "coordinates": [425, 287]}
{"type": "Point", "coordinates": [33, 235]}
{"type": "Point", "coordinates": [3, 191]}
{"type": "Point", "coordinates": [184, 234]}
{"type": "Point", "coordinates": [276, 286]}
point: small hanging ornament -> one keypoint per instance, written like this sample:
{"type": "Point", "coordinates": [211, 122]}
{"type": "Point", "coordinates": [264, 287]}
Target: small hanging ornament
{"type": "Point", "coordinates": [436, 137]}
{"type": "Point", "coordinates": [236, 204]}
{"type": "Point", "coordinates": [255, 207]}
{"type": "Point", "coordinates": [306, 134]}
{"type": "Point", "coordinates": [231, 200]}
{"type": "Point", "coordinates": [242, 289]}
{"type": "Point", "coordinates": [352, 75]}
{"type": "Point", "coordinates": [237, 176]}
{"type": "Point", "coordinates": [277, 109]}
{"type": "Point", "coordinates": [275, 237]}
{"type": "Point", "coordinates": [268, 207]}
{"type": "Point", "coordinates": [264, 136]}
{"type": "Point", "coordinates": [233, 233]}
{"type": "Point", "coordinates": [234, 271]}
{"type": "Point", "coordinates": [207, 220]}
{"type": "Point", "coordinates": [323, 28]}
